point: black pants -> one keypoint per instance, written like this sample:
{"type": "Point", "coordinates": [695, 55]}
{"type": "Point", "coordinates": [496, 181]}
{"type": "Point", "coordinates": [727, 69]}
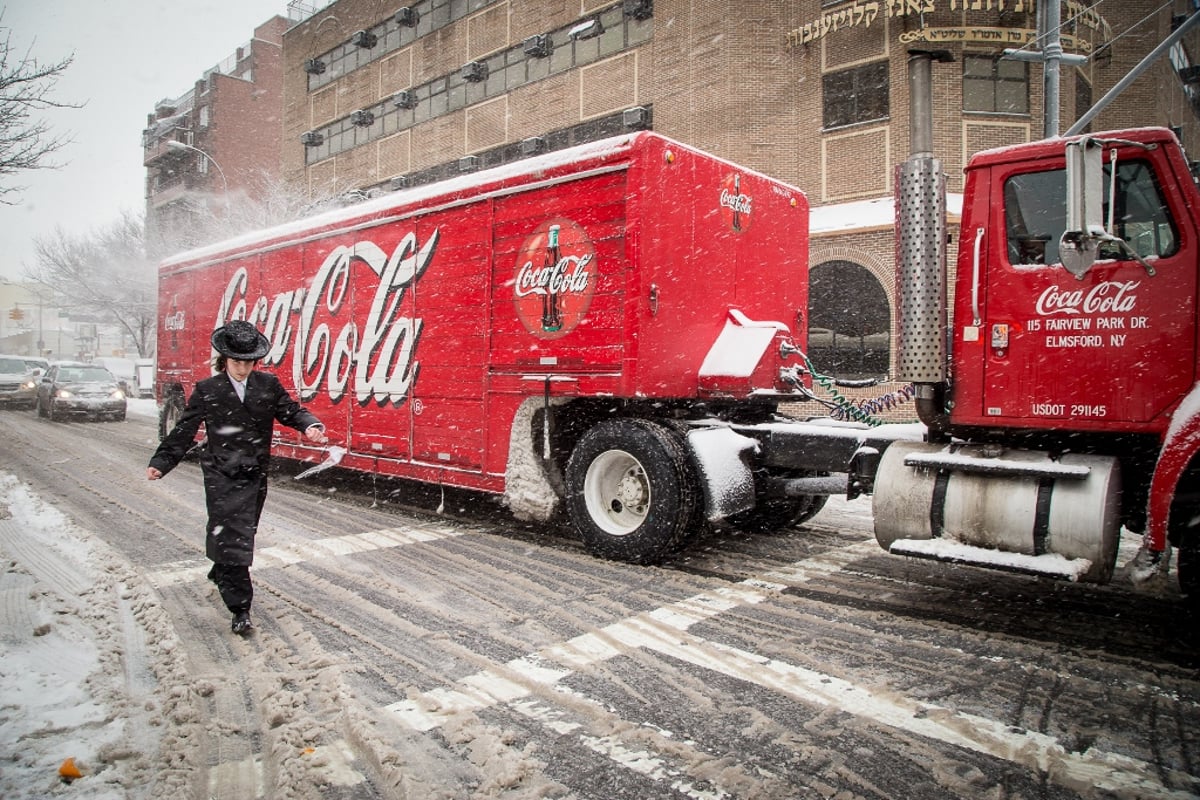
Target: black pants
{"type": "Point", "coordinates": [233, 582]}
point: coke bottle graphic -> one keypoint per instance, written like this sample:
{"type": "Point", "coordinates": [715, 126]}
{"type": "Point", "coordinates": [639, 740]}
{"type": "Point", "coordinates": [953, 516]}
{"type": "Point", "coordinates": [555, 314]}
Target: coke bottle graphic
{"type": "Point", "coordinates": [551, 316]}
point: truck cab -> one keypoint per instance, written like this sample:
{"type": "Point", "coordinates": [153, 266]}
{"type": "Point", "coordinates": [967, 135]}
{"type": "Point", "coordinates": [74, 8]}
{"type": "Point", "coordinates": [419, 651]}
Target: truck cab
{"type": "Point", "coordinates": [1066, 408]}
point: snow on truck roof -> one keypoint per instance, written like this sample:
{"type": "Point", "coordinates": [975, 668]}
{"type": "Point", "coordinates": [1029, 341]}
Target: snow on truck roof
{"type": "Point", "coordinates": [1053, 148]}
{"type": "Point", "coordinates": [602, 150]}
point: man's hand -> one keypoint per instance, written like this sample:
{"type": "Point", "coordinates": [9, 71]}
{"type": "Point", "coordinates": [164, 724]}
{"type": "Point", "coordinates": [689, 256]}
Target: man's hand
{"type": "Point", "coordinates": [152, 474]}
{"type": "Point", "coordinates": [316, 434]}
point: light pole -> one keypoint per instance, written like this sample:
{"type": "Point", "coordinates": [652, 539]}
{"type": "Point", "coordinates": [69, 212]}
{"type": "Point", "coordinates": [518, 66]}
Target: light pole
{"type": "Point", "coordinates": [177, 145]}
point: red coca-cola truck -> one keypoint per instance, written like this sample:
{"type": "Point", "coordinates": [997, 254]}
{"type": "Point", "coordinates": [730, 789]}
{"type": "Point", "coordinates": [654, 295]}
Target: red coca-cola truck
{"type": "Point", "coordinates": [612, 329]}
{"type": "Point", "coordinates": [582, 326]}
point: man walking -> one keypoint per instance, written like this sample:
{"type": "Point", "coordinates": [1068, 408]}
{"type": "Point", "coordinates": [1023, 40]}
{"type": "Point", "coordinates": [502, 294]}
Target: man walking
{"type": "Point", "coordinates": [239, 407]}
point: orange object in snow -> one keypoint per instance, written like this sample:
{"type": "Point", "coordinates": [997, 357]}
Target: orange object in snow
{"type": "Point", "coordinates": [69, 770]}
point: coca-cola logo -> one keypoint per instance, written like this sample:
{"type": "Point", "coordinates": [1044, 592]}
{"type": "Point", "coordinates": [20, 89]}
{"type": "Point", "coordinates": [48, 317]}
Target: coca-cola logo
{"type": "Point", "coordinates": [1109, 297]}
{"type": "Point", "coordinates": [735, 206]}
{"type": "Point", "coordinates": [555, 278]}
{"type": "Point", "coordinates": [370, 351]}
{"type": "Point", "coordinates": [175, 321]}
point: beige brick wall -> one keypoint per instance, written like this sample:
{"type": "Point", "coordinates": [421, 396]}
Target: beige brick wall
{"type": "Point", "coordinates": [731, 82]}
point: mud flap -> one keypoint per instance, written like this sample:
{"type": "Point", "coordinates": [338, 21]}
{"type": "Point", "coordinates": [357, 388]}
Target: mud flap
{"type": "Point", "coordinates": [722, 459]}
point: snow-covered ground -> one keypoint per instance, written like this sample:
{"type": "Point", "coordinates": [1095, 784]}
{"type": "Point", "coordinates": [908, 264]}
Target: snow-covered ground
{"type": "Point", "coordinates": [67, 610]}
{"type": "Point", "coordinates": [93, 668]}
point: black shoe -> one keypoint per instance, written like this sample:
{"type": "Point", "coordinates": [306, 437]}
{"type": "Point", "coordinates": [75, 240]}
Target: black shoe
{"type": "Point", "coordinates": [241, 622]}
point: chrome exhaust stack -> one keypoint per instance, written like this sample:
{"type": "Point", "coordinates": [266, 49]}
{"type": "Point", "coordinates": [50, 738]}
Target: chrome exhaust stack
{"type": "Point", "coordinates": [921, 335]}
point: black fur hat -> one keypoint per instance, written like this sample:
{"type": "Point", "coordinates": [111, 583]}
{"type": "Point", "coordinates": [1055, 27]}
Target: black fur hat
{"type": "Point", "coordinates": [241, 340]}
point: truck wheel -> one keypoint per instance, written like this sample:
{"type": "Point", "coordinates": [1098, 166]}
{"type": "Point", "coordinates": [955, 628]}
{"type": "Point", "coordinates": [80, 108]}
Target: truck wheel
{"type": "Point", "coordinates": [770, 515]}
{"type": "Point", "coordinates": [630, 493]}
{"type": "Point", "coordinates": [172, 410]}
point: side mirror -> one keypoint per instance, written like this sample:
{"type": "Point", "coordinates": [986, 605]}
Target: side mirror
{"type": "Point", "coordinates": [1085, 206]}
{"type": "Point", "coordinates": [1086, 230]}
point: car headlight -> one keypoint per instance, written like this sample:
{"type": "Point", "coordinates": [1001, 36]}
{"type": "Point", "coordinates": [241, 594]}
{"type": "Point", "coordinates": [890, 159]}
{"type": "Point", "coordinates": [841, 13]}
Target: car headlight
{"type": "Point", "coordinates": [63, 393]}
{"type": "Point", "coordinates": [117, 394]}
{"type": "Point", "coordinates": [28, 385]}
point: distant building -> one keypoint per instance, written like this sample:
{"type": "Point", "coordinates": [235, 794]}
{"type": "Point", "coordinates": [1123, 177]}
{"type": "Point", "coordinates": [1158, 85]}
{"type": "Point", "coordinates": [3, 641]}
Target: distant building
{"type": "Point", "coordinates": [216, 144]}
{"type": "Point", "coordinates": [32, 324]}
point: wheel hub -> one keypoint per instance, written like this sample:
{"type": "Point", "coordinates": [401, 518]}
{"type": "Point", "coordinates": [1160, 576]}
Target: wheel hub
{"type": "Point", "coordinates": [632, 491]}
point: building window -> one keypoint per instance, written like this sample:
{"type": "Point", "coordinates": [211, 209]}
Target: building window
{"type": "Point", "coordinates": [849, 321]}
{"type": "Point", "coordinates": [994, 85]}
{"type": "Point", "coordinates": [203, 119]}
{"type": "Point", "coordinates": [506, 70]}
{"type": "Point", "coordinates": [856, 95]}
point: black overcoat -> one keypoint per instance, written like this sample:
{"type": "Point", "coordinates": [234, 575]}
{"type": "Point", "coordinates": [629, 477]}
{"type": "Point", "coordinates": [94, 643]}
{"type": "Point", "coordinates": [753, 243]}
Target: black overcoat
{"type": "Point", "coordinates": [235, 457]}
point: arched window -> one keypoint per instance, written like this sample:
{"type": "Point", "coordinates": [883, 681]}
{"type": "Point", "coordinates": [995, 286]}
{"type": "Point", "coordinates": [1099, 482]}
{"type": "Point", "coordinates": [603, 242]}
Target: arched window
{"type": "Point", "coordinates": [849, 321]}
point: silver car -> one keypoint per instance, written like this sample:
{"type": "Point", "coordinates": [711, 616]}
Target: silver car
{"type": "Point", "coordinates": [18, 385]}
{"type": "Point", "coordinates": [79, 389]}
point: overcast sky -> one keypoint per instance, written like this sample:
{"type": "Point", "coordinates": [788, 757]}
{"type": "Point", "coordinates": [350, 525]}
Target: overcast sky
{"type": "Point", "coordinates": [129, 54]}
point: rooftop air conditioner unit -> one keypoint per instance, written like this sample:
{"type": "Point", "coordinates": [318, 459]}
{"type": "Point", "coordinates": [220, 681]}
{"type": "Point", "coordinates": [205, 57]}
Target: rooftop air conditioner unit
{"type": "Point", "coordinates": [637, 117]}
{"type": "Point", "coordinates": [405, 98]}
{"type": "Point", "coordinates": [468, 163]}
{"type": "Point", "coordinates": [314, 66]}
{"type": "Point", "coordinates": [407, 17]}
{"type": "Point", "coordinates": [538, 46]}
{"type": "Point", "coordinates": [312, 139]}
{"type": "Point", "coordinates": [474, 72]}
{"type": "Point", "coordinates": [362, 118]}
{"type": "Point", "coordinates": [588, 29]}
{"type": "Point", "coordinates": [399, 182]}
{"type": "Point", "coordinates": [532, 145]}
{"type": "Point", "coordinates": [364, 39]}
{"type": "Point", "coordinates": [639, 9]}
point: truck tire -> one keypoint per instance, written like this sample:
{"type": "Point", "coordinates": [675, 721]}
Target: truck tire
{"type": "Point", "coordinates": [771, 515]}
{"type": "Point", "coordinates": [630, 492]}
{"type": "Point", "coordinates": [169, 417]}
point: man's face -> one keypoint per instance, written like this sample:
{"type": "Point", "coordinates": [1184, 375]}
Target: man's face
{"type": "Point", "coordinates": [238, 369]}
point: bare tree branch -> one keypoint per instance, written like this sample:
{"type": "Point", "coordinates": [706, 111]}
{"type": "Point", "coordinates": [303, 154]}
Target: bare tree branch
{"type": "Point", "coordinates": [26, 142]}
{"type": "Point", "coordinates": [105, 273]}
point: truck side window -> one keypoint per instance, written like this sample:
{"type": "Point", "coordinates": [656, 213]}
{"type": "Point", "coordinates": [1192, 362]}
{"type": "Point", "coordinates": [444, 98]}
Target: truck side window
{"type": "Point", "coordinates": [1035, 214]}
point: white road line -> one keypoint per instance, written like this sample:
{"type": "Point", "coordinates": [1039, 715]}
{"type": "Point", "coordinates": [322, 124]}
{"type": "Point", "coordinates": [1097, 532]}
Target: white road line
{"type": "Point", "coordinates": [518, 678]}
{"type": "Point", "coordinates": [314, 550]}
{"type": "Point", "coordinates": [1035, 751]}
{"type": "Point", "coordinates": [664, 630]}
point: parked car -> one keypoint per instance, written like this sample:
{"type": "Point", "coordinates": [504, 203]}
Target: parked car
{"type": "Point", "coordinates": [70, 388]}
{"type": "Point", "coordinates": [18, 385]}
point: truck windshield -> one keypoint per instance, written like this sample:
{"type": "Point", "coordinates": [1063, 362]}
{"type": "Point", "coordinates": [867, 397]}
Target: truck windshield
{"type": "Point", "coordinates": [1035, 214]}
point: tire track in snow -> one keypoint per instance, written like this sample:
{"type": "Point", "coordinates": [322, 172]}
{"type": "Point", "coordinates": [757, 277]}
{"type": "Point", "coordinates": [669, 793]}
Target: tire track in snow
{"type": "Point", "coordinates": [665, 631]}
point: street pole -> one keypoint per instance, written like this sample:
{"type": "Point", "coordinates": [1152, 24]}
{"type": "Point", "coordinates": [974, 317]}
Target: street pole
{"type": "Point", "coordinates": [1049, 33]}
{"type": "Point", "coordinates": [177, 145]}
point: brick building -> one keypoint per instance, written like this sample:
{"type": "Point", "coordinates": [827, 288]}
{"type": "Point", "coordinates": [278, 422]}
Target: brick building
{"type": "Point", "coordinates": [813, 92]}
{"type": "Point", "coordinates": [218, 143]}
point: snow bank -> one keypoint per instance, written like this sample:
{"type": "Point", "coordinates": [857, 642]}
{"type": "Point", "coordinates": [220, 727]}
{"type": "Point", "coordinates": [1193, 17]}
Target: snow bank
{"type": "Point", "coordinates": [87, 649]}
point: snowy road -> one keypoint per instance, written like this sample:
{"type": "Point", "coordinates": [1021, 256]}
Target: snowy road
{"type": "Point", "coordinates": [400, 653]}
